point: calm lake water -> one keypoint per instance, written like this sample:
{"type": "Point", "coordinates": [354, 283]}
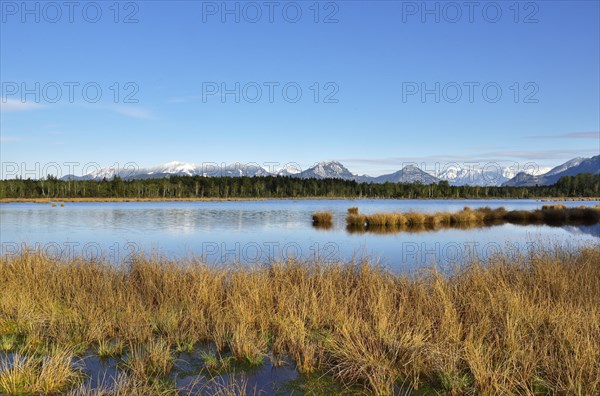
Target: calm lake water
{"type": "Point", "coordinates": [250, 231]}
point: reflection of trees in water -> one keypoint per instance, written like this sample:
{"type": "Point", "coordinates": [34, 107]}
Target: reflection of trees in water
{"type": "Point", "coordinates": [176, 219]}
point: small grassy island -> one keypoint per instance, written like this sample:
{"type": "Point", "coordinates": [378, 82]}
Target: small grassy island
{"type": "Point", "coordinates": [470, 218]}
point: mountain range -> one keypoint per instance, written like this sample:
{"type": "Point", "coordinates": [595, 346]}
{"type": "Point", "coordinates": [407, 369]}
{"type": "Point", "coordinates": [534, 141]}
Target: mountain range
{"type": "Point", "coordinates": [570, 168]}
{"type": "Point", "coordinates": [455, 175]}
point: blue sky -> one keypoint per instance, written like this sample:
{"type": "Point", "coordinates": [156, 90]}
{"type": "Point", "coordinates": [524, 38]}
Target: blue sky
{"type": "Point", "coordinates": [361, 74]}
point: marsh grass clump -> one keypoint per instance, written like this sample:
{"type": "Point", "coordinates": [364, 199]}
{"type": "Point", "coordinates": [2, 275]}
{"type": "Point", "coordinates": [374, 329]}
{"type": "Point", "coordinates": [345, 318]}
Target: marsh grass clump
{"type": "Point", "coordinates": [415, 219]}
{"type": "Point", "coordinates": [9, 342]}
{"type": "Point", "coordinates": [490, 215]}
{"type": "Point", "coordinates": [323, 219]}
{"type": "Point", "coordinates": [554, 207]}
{"type": "Point", "coordinates": [439, 218]}
{"type": "Point", "coordinates": [248, 345]}
{"type": "Point", "coordinates": [215, 363]}
{"type": "Point", "coordinates": [24, 374]}
{"type": "Point", "coordinates": [557, 216]}
{"type": "Point", "coordinates": [356, 220]}
{"type": "Point", "coordinates": [586, 215]}
{"type": "Point", "coordinates": [379, 219]}
{"type": "Point", "coordinates": [149, 360]}
{"type": "Point", "coordinates": [126, 385]}
{"type": "Point", "coordinates": [455, 382]}
{"type": "Point", "coordinates": [233, 385]}
{"type": "Point", "coordinates": [353, 210]}
{"type": "Point", "coordinates": [364, 358]}
{"type": "Point", "coordinates": [185, 346]}
{"type": "Point", "coordinates": [110, 348]}
{"type": "Point", "coordinates": [521, 217]}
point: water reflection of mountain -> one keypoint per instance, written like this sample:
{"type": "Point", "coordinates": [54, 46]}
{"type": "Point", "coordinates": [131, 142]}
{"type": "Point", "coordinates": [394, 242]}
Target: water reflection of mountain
{"type": "Point", "coordinates": [593, 230]}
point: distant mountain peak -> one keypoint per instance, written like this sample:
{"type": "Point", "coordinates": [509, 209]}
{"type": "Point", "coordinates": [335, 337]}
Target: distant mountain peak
{"type": "Point", "coordinates": [176, 167]}
{"type": "Point", "coordinates": [572, 167]}
{"type": "Point", "coordinates": [563, 167]}
{"type": "Point", "coordinates": [328, 170]}
{"type": "Point", "coordinates": [290, 169]}
{"type": "Point", "coordinates": [408, 174]}
{"type": "Point", "coordinates": [330, 164]}
{"type": "Point", "coordinates": [176, 163]}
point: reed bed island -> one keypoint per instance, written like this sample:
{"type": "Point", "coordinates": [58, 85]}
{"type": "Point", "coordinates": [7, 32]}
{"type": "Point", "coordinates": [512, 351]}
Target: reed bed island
{"type": "Point", "coordinates": [469, 218]}
{"type": "Point", "coordinates": [322, 219]}
{"type": "Point", "coordinates": [507, 325]}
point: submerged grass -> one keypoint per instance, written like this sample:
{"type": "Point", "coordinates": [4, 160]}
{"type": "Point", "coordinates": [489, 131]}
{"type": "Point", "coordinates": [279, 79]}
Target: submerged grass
{"type": "Point", "coordinates": [124, 385]}
{"type": "Point", "coordinates": [109, 348]}
{"type": "Point", "coordinates": [528, 324]}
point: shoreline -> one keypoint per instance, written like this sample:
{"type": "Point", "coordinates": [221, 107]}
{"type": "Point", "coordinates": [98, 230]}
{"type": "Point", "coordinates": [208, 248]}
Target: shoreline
{"type": "Point", "coordinates": [242, 199]}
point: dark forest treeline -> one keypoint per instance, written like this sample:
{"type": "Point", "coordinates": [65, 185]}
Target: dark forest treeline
{"type": "Point", "coordinates": [582, 185]}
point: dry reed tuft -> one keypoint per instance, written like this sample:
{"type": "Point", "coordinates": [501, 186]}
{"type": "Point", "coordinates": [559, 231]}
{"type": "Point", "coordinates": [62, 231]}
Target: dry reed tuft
{"type": "Point", "coordinates": [322, 218]}
{"type": "Point", "coordinates": [356, 220]}
{"type": "Point", "coordinates": [353, 210]}
{"type": "Point", "coordinates": [150, 360]}
{"type": "Point", "coordinates": [25, 374]}
{"type": "Point", "coordinates": [554, 207]}
{"type": "Point", "coordinates": [125, 385]}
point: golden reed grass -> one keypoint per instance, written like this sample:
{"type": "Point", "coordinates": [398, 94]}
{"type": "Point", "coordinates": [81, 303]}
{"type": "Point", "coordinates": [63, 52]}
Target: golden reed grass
{"type": "Point", "coordinates": [511, 325]}
{"type": "Point", "coordinates": [415, 221]}
{"type": "Point", "coordinates": [322, 218]}
{"type": "Point", "coordinates": [29, 374]}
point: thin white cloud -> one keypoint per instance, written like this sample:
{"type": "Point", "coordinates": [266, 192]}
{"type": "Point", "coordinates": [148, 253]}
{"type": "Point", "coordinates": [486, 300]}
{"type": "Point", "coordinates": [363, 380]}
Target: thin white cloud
{"type": "Point", "coordinates": [7, 139]}
{"type": "Point", "coordinates": [540, 154]}
{"type": "Point", "coordinates": [134, 112]}
{"type": "Point", "coordinates": [543, 157]}
{"type": "Point", "coordinates": [184, 99]}
{"type": "Point", "coordinates": [573, 135]}
{"type": "Point", "coordinates": [8, 105]}
{"type": "Point", "coordinates": [126, 110]}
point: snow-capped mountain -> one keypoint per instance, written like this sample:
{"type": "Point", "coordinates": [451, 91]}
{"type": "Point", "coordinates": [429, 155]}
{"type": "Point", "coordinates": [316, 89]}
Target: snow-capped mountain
{"type": "Point", "coordinates": [482, 176]}
{"type": "Point", "coordinates": [408, 174]}
{"type": "Point", "coordinates": [173, 168]}
{"type": "Point", "coordinates": [327, 170]}
{"type": "Point", "coordinates": [238, 170]}
{"type": "Point", "coordinates": [105, 173]}
{"type": "Point", "coordinates": [569, 168]}
{"type": "Point", "coordinates": [176, 168]}
{"type": "Point", "coordinates": [563, 167]}
{"type": "Point", "coordinates": [475, 177]}
{"type": "Point", "coordinates": [290, 169]}
{"type": "Point", "coordinates": [335, 170]}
